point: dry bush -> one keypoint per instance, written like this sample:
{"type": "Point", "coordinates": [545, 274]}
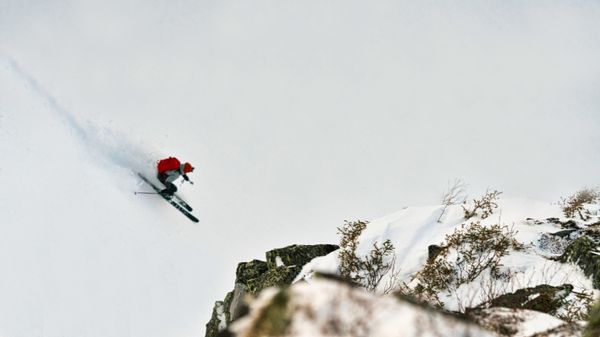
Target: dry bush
{"type": "Point", "coordinates": [575, 204]}
{"type": "Point", "coordinates": [454, 195]}
{"type": "Point", "coordinates": [369, 270]}
{"type": "Point", "coordinates": [577, 307]}
{"type": "Point", "coordinates": [436, 276]}
{"type": "Point", "coordinates": [350, 263]}
{"type": "Point", "coordinates": [467, 252]}
{"type": "Point", "coordinates": [479, 247]}
{"type": "Point", "coordinates": [553, 244]}
{"type": "Point", "coordinates": [485, 205]}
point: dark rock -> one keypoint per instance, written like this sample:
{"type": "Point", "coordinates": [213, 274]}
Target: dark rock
{"type": "Point", "coordinates": [564, 233]}
{"type": "Point", "coordinates": [336, 278]}
{"type": "Point", "coordinates": [236, 306]}
{"type": "Point", "coordinates": [212, 327]}
{"type": "Point", "coordinates": [534, 221]}
{"type": "Point", "coordinates": [297, 255]}
{"type": "Point", "coordinates": [250, 270]}
{"type": "Point", "coordinates": [254, 276]}
{"type": "Point", "coordinates": [433, 252]}
{"type": "Point", "coordinates": [543, 298]}
{"type": "Point", "coordinates": [277, 277]}
{"type": "Point", "coordinates": [563, 224]}
{"type": "Point", "coordinates": [569, 224]}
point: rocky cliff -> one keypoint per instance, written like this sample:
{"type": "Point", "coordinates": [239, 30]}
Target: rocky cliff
{"type": "Point", "coordinates": [522, 269]}
{"type": "Point", "coordinates": [281, 267]}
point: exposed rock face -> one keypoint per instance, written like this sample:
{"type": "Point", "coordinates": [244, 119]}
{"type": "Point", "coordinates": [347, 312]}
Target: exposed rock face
{"type": "Point", "coordinates": [543, 298]}
{"type": "Point", "coordinates": [282, 266]}
{"type": "Point", "coordinates": [297, 255]}
{"type": "Point", "coordinates": [250, 270]}
{"type": "Point", "coordinates": [215, 324]}
{"type": "Point", "coordinates": [277, 276]}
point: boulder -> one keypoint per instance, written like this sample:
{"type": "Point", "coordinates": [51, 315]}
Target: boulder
{"type": "Point", "coordinates": [433, 251]}
{"type": "Point", "coordinates": [543, 298]}
{"type": "Point", "coordinates": [297, 255]}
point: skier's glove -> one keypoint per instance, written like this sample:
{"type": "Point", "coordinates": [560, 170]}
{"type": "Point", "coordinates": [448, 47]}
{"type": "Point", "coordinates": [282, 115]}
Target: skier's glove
{"type": "Point", "coordinates": [186, 178]}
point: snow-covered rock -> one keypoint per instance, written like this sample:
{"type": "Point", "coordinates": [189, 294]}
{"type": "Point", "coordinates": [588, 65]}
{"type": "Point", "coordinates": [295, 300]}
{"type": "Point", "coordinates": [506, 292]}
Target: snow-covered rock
{"type": "Point", "coordinates": [256, 275]}
{"type": "Point", "coordinates": [328, 308]}
{"type": "Point", "coordinates": [542, 284]}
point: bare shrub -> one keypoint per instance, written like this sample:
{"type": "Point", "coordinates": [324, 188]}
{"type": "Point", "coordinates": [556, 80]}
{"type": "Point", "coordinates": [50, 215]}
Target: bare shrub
{"type": "Point", "coordinates": [455, 194]}
{"type": "Point", "coordinates": [577, 306]}
{"type": "Point", "coordinates": [553, 244]}
{"type": "Point", "coordinates": [350, 263]}
{"type": "Point", "coordinates": [393, 281]}
{"type": "Point", "coordinates": [436, 276]}
{"type": "Point", "coordinates": [575, 204]}
{"type": "Point", "coordinates": [479, 247]}
{"type": "Point", "coordinates": [466, 253]}
{"type": "Point", "coordinates": [485, 205]}
{"type": "Point", "coordinates": [490, 289]}
{"type": "Point", "coordinates": [375, 266]}
{"type": "Point", "coordinates": [369, 270]}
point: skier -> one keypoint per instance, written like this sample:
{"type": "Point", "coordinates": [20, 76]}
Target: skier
{"type": "Point", "coordinates": [169, 169]}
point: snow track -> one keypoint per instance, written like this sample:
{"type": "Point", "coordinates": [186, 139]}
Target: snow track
{"type": "Point", "coordinates": [81, 255]}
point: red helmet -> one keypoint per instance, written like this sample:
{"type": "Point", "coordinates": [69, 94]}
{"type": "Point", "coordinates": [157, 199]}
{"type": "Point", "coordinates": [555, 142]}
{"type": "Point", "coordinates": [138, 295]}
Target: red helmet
{"type": "Point", "coordinates": [187, 168]}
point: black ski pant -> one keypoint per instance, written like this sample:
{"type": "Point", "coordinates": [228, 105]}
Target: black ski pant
{"type": "Point", "coordinates": [170, 187]}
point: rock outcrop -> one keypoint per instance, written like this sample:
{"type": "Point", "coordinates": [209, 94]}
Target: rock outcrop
{"type": "Point", "coordinates": [543, 298]}
{"type": "Point", "coordinates": [280, 269]}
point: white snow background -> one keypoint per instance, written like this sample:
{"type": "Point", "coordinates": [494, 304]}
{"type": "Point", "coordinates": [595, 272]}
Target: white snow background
{"type": "Point", "coordinates": [297, 115]}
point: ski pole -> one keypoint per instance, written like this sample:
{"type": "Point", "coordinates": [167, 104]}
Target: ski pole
{"type": "Point", "coordinates": [136, 193]}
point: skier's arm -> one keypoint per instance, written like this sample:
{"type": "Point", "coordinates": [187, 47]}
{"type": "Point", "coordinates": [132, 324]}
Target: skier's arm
{"type": "Point", "coordinates": [186, 178]}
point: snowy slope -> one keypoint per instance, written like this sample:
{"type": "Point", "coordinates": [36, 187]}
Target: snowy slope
{"type": "Point", "coordinates": [80, 254]}
{"type": "Point", "coordinates": [413, 229]}
{"type": "Point", "coordinates": [312, 306]}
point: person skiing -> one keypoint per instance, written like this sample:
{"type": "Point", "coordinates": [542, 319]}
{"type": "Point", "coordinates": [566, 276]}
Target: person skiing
{"type": "Point", "coordinates": [169, 169]}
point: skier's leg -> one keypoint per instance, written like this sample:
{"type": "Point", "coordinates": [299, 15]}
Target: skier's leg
{"type": "Point", "coordinates": [170, 187]}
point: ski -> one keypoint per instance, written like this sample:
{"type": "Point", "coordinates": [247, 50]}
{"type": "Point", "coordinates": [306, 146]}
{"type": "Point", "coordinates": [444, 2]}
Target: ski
{"type": "Point", "coordinates": [179, 207]}
{"type": "Point", "coordinates": [183, 203]}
